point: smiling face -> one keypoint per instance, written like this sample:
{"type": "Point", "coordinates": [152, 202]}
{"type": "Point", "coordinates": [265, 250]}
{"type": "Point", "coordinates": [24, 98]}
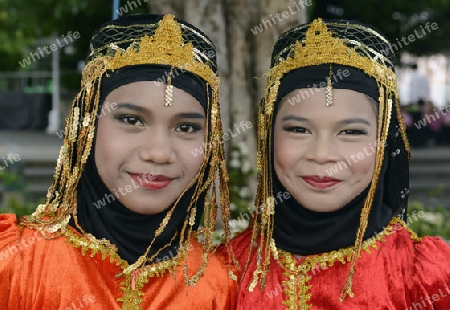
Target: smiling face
{"type": "Point", "coordinates": [325, 156]}
{"type": "Point", "coordinates": [143, 148]}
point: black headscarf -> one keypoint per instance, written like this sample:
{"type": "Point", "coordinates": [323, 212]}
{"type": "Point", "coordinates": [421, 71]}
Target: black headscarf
{"type": "Point", "coordinates": [131, 232]}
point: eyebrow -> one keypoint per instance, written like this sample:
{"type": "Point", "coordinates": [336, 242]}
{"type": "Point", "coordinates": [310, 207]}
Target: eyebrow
{"type": "Point", "coordinates": [134, 107]}
{"type": "Point", "coordinates": [191, 115]}
{"type": "Point", "coordinates": [130, 106]}
{"type": "Point", "coordinates": [290, 117]}
{"type": "Point", "coordinates": [347, 121]}
{"type": "Point", "coordinates": [355, 120]}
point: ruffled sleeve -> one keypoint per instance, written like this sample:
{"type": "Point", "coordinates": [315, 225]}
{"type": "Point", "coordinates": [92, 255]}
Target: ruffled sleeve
{"type": "Point", "coordinates": [10, 262]}
{"type": "Point", "coordinates": [431, 286]}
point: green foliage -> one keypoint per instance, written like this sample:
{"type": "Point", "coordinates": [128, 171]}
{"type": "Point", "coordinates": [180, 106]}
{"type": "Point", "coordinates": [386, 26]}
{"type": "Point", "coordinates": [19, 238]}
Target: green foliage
{"type": "Point", "coordinates": [429, 221]}
{"type": "Point", "coordinates": [15, 191]}
{"type": "Point", "coordinates": [43, 19]}
{"type": "Point", "coordinates": [24, 21]}
{"type": "Point", "coordinates": [12, 181]}
{"type": "Point", "coordinates": [19, 208]}
{"type": "Point", "coordinates": [396, 19]}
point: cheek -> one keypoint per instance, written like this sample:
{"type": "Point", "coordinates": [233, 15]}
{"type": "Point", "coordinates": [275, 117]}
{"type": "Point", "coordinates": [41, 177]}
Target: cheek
{"type": "Point", "coordinates": [101, 143]}
{"type": "Point", "coordinates": [286, 156]}
{"type": "Point", "coordinates": [109, 145]}
{"type": "Point", "coordinates": [195, 164]}
{"type": "Point", "coordinates": [365, 166]}
{"type": "Point", "coordinates": [191, 153]}
{"type": "Point", "coordinates": [279, 154]}
{"type": "Point", "coordinates": [287, 151]}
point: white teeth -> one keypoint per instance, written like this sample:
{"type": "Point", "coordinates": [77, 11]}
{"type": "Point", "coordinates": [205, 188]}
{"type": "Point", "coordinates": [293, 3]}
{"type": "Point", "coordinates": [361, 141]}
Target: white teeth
{"type": "Point", "coordinates": [148, 176]}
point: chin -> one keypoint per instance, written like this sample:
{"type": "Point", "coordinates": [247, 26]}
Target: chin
{"type": "Point", "coordinates": [324, 207]}
{"type": "Point", "coordinates": [146, 209]}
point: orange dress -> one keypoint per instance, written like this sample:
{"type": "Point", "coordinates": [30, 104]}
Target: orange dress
{"type": "Point", "coordinates": [64, 273]}
{"type": "Point", "coordinates": [396, 270]}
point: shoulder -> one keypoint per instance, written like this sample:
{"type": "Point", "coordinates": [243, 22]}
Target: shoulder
{"type": "Point", "coordinates": [17, 243]}
{"type": "Point", "coordinates": [219, 277]}
{"type": "Point", "coordinates": [238, 249]}
{"type": "Point", "coordinates": [219, 265]}
{"type": "Point", "coordinates": [426, 262]}
{"type": "Point", "coordinates": [10, 261]}
{"type": "Point", "coordinates": [239, 245]}
{"type": "Point", "coordinates": [422, 251]}
{"type": "Point", "coordinates": [432, 255]}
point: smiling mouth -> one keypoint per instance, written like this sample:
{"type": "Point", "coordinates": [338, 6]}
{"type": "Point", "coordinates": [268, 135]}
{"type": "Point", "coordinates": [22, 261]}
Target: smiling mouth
{"type": "Point", "coordinates": [151, 182]}
{"type": "Point", "coordinates": [320, 182]}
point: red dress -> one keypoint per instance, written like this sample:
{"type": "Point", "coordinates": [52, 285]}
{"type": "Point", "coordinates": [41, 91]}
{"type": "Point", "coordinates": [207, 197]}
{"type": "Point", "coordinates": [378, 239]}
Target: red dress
{"type": "Point", "coordinates": [396, 270]}
{"type": "Point", "coordinates": [62, 273]}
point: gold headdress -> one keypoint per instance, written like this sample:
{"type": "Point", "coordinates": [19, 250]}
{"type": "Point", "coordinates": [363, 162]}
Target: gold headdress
{"type": "Point", "coordinates": [322, 43]}
{"type": "Point", "coordinates": [165, 42]}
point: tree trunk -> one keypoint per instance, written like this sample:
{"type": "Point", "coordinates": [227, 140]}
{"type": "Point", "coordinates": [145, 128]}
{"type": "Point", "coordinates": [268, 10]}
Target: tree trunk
{"type": "Point", "coordinates": [243, 54]}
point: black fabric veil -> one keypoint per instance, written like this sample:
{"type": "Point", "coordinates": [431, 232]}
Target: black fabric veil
{"type": "Point", "coordinates": [302, 231]}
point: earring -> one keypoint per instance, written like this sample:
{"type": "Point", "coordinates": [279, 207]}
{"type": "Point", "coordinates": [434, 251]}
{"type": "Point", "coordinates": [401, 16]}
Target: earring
{"type": "Point", "coordinates": [329, 89]}
{"type": "Point", "coordinates": [169, 90]}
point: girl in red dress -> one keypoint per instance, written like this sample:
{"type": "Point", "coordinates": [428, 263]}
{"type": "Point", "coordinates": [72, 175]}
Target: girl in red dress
{"type": "Point", "coordinates": [329, 230]}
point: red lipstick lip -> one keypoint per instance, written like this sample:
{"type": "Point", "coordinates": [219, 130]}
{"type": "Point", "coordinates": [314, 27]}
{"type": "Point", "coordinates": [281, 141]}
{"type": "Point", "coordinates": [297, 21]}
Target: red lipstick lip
{"type": "Point", "coordinates": [151, 181]}
{"type": "Point", "coordinates": [157, 178]}
{"type": "Point", "coordinates": [320, 182]}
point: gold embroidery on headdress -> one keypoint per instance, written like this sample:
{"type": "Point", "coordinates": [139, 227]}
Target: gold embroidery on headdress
{"type": "Point", "coordinates": [165, 47]}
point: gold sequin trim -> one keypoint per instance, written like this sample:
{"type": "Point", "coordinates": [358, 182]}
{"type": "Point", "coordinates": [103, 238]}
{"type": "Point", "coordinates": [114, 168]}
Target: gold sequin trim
{"type": "Point", "coordinates": [133, 283]}
{"type": "Point", "coordinates": [298, 274]}
{"type": "Point", "coordinates": [166, 47]}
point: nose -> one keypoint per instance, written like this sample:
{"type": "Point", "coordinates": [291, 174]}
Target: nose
{"type": "Point", "coordinates": [322, 150]}
{"type": "Point", "coordinates": [157, 147]}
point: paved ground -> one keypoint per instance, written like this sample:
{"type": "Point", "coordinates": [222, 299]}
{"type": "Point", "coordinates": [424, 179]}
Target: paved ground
{"type": "Point", "coordinates": [29, 145]}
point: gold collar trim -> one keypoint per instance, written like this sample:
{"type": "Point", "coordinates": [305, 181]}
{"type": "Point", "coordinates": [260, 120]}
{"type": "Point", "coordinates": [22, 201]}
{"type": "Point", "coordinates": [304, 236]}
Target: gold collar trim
{"type": "Point", "coordinates": [298, 274]}
{"type": "Point", "coordinates": [133, 283]}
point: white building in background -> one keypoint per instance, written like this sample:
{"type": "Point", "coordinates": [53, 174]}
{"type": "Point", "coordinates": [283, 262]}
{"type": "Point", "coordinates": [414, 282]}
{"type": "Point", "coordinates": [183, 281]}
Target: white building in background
{"type": "Point", "coordinates": [436, 68]}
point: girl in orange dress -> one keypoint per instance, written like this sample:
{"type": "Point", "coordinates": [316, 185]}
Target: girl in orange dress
{"type": "Point", "coordinates": [120, 225]}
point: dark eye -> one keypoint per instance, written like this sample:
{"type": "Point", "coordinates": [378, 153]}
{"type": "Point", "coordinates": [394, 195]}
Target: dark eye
{"type": "Point", "coordinates": [296, 129]}
{"type": "Point", "coordinates": [187, 128]}
{"type": "Point", "coordinates": [354, 132]}
{"type": "Point", "coordinates": [130, 120]}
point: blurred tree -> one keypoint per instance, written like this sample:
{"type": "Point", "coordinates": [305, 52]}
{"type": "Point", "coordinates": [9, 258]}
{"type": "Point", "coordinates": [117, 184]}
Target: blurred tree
{"type": "Point", "coordinates": [397, 19]}
{"type": "Point", "coordinates": [243, 31]}
{"type": "Point", "coordinates": [243, 54]}
{"type": "Point", "coordinates": [23, 21]}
